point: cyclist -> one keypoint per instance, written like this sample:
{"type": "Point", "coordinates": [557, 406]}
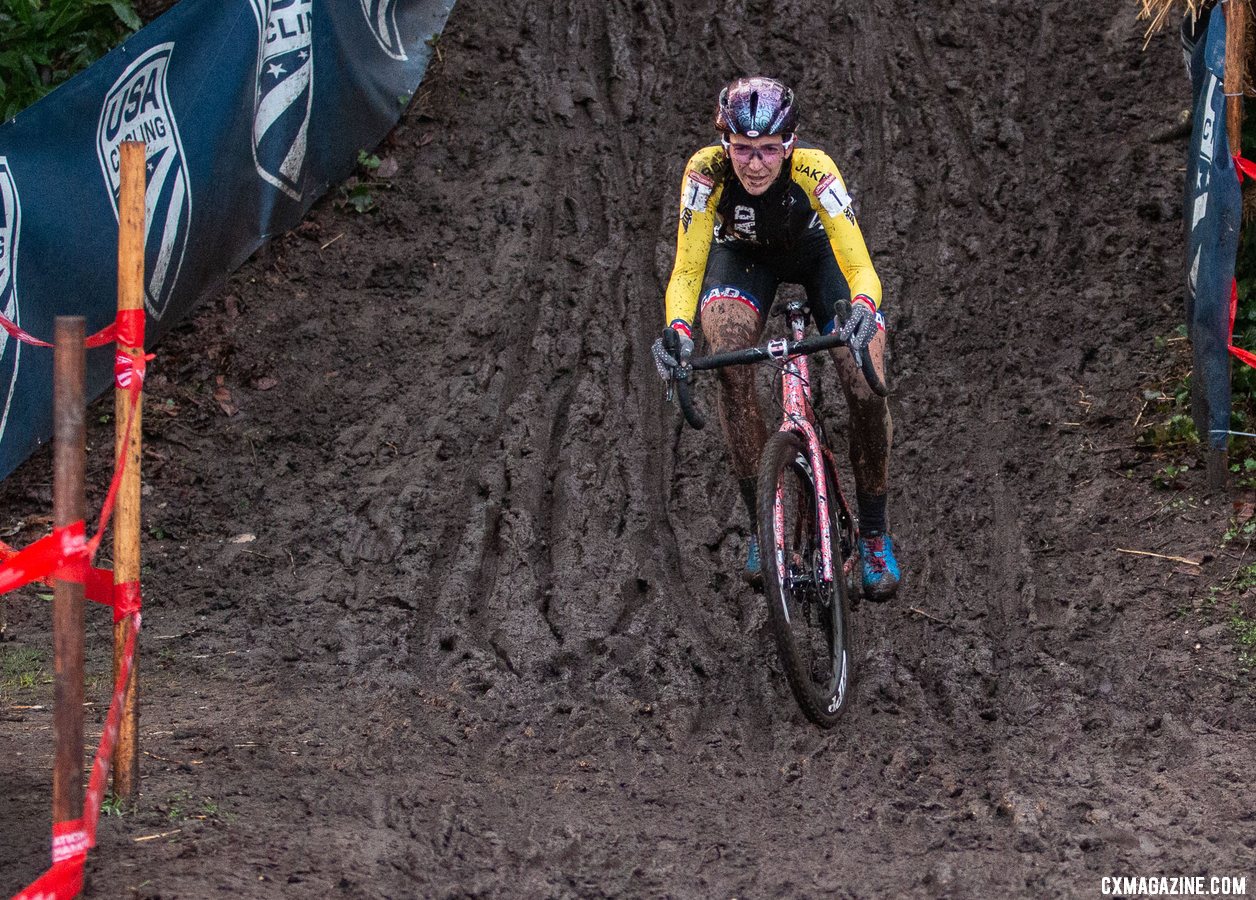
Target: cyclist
{"type": "Point", "coordinates": [759, 209]}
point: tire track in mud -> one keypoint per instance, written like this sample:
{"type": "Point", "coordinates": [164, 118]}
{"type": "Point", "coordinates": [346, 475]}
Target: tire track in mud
{"type": "Point", "coordinates": [572, 282]}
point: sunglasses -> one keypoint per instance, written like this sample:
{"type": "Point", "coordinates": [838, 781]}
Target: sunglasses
{"type": "Point", "coordinates": [744, 153]}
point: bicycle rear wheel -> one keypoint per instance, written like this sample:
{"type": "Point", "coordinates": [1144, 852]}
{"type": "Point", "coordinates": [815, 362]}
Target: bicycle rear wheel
{"type": "Point", "coordinates": [807, 612]}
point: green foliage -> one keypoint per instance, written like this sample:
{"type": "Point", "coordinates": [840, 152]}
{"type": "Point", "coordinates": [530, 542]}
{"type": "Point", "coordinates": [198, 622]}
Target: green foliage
{"type": "Point", "coordinates": [1243, 579]}
{"type": "Point", "coordinates": [21, 668]}
{"type": "Point", "coordinates": [184, 805]}
{"type": "Point", "coordinates": [360, 192]}
{"type": "Point", "coordinates": [1167, 476]}
{"type": "Point", "coordinates": [1244, 473]}
{"type": "Point", "coordinates": [1245, 634]}
{"type": "Point", "coordinates": [359, 197]}
{"type": "Point", "coordinates": [44, 42]}
{"type": "Point", "coordinates": [1245, 532]}
{"type": "Point", "coordinates": [1176, 431]}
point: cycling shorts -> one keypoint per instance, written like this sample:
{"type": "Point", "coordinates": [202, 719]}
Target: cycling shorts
{"type": "Point", "coordinates": [751, 275]}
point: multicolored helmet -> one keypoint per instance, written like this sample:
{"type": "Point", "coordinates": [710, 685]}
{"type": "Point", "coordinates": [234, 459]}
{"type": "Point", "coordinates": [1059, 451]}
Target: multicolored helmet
{"type": "Point", "coordinates": [755, 107]}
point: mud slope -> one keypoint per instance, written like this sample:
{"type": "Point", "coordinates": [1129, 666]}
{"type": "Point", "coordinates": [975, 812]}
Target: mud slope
{"type": "Point", "coordinates": [488, 641]}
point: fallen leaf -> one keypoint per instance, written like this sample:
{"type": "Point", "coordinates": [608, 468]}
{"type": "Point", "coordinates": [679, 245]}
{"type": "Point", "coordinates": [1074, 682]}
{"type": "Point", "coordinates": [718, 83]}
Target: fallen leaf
{"type": "Point", "coordinates": [245, 538]}
{"type": "Point", "coordinates": [223, 397]}
{"type": "Point", "coordinates": [387, 168]}
{"type": "Point", "coordinates": [265, 383]}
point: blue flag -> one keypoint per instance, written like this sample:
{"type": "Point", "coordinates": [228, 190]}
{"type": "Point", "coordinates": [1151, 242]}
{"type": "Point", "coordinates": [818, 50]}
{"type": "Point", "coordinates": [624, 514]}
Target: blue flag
{"type": "Point", "coordinates": [1213, 213]}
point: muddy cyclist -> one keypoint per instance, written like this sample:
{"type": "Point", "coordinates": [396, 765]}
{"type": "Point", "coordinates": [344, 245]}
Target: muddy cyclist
{"type": "Point", "coordinates": [759, 209]}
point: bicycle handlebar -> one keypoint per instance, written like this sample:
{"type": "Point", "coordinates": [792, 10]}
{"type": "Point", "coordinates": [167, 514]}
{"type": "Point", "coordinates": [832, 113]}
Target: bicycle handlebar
{"type": "Point", "coordinates": [683, 396]}
{"type": "Point", "coordinates": [776, 349]}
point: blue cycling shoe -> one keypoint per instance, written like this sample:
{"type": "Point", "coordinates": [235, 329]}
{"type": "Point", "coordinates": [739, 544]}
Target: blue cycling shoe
{"type": "Point", "coordinates": [880, 569]}
{"type": "Point", "coordinates": [753, 573]}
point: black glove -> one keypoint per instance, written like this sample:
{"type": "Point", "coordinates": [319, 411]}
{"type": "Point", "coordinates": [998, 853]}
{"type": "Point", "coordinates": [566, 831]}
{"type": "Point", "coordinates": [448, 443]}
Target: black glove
{"type": "Point", "coordinates": [668, 350]}
{"type": "Point", "coordinates": [860, 326]}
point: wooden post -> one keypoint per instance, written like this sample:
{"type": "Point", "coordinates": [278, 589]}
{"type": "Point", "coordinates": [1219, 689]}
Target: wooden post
{"type": "Point", "coordinates": [1237, 25]}
{"type": "Point", "coordinates": [126, 527]}
{"type": "Point", "coordinates": [68, 506]}
{"type": "Point", "coordinates": [1237, 43]}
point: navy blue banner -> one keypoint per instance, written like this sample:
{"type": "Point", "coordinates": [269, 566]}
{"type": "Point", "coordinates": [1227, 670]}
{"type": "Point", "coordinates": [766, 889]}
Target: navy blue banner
{"type": "Point", "coordinates": [1213, 214]}
{"type": "Point", "coordinates": [250, 109]}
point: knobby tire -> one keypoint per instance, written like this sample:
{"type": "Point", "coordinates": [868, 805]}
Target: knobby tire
{"type": "Point", "coordinates": [809, 616]}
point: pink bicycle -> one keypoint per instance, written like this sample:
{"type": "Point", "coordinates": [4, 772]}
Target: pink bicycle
{"type": "Point", "coordinates": [808, 534]}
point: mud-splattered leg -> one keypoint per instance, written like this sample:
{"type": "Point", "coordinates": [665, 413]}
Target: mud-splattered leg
{"type": "Point", "coordinates": [732, 325]}
{"type": "Point", "coordinates": [871, 433]}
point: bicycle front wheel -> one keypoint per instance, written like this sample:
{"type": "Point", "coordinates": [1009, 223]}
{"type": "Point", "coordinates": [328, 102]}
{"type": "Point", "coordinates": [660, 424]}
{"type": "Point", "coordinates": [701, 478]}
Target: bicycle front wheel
{"type": "Point", "coordinates": [807, 611]}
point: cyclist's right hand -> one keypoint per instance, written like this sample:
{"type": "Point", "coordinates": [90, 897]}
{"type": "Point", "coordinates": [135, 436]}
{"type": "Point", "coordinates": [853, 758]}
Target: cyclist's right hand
{"type": "Point", "coordinates": [668, 350]}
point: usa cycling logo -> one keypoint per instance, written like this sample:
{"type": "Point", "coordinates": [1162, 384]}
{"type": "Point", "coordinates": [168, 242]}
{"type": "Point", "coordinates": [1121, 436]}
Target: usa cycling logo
{"type": "Point", "coordinates": [285, 91]}
{"type": "Point", "coordinates": [381, 15]}
{"type": "Point", "coordinates": [10, 227]}
{"type": "Point", "coordinates": [137, 108]}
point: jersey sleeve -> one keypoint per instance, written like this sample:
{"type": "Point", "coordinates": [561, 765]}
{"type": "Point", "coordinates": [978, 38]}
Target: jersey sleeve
{"type": "Point", "coordinates": [816, 172]}
{"type": "Point", "coordinates": [700, 190]}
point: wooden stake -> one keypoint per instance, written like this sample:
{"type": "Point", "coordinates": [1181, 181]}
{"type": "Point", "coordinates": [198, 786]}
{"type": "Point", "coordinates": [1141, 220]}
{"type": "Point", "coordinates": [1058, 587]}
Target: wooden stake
{"type": "Point", "coordinates": [1237, 42]}
{"type": "Point", "coordinates": [68, 506]}
{"type": "Point", "coordinates": [126, 528]}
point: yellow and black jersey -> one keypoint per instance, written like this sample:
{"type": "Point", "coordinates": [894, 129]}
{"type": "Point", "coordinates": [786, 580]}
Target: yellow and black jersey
{"type": "Point", "coordinates": [809, 196]}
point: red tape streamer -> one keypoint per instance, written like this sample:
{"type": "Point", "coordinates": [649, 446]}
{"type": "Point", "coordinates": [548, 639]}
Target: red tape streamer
{"type": "Point", "coordinates": [1244, 167]}
{"type": "Point", "coordinates": [126, 600]}
{"type": "Point", "coordinates": [129, 365]}
{"type": "Point", "coordinates": [63, 881]}
{"type": "Point", "coordinates": [24, 337]}
{"type": "Point", "coordinates": [107, 510]}
{"type": "Point", "coordinates": [106, 335]}
{"type": "Point", "coordinates": [104, 753]}
{"type": "Point", "coordinates": [99, 581]}
{"type": "Point", "coordinates": [131, 327]}
{"type": "Point", "coordinates": [69, 839]}
{"type": "Point", "coordinates": [1238, 352]}
{"type": "Point", "coordinates": [53, 554]}
{"type": "Point", "coordinates": [100, 586]}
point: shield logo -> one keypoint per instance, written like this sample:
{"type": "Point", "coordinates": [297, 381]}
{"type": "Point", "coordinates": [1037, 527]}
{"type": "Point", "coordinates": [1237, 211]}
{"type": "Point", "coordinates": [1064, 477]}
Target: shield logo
{"type": "Point", "coordinates": [10, 348]}
{"type": "Point", "coordinates": [137, 108]}
{"type": "Point", "coordinates": [381, 16]}
{"type": "Point", "coordinates": [285, 90]}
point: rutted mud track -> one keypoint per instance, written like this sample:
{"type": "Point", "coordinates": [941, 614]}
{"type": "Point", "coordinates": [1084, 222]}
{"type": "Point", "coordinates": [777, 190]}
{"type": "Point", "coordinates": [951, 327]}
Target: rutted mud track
{"type": "Point", "coordinates": [488, 641]}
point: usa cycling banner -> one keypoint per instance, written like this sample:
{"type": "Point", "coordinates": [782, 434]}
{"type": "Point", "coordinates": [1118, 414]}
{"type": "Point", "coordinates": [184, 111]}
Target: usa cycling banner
{"type": "Point", "coordinates": [250, 110]}
{"type": "Point", "coordinates": [1213, 214]}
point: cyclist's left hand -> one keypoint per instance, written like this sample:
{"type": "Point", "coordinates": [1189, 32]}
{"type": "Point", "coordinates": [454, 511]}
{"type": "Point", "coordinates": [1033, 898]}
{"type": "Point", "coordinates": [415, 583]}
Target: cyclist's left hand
{"type": "Point", "coordinates": [860, 326]}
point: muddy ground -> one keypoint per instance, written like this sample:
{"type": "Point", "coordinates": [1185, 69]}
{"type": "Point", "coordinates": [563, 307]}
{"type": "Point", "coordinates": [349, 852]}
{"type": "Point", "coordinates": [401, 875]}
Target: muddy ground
{"type": "Point", "coordinates": [488, 640]}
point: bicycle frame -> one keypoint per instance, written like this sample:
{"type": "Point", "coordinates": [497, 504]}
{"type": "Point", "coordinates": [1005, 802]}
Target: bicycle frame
{"type": "Point", "coordinates": [811, 577]}
{"type": "Point", "coordinates": [791, 356]}
{"type": "Point", "coordinates": [796, 399]}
